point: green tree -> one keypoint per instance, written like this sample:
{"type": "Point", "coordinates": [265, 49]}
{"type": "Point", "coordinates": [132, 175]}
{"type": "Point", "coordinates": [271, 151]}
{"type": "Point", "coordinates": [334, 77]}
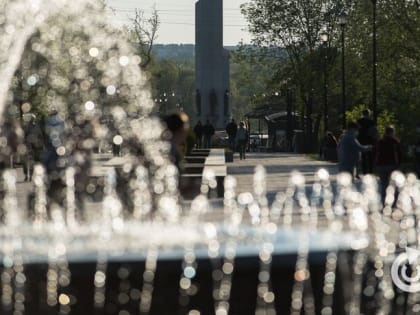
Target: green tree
{"type": "Point", "coordinates": [251, 71]}
{"type": "Point", "coordinates": [385, 118]}
{"type": "Point", "coordinates": [398, 58]}
{"type": "Point", "coordinates": [296, 26]}
{"type": "Point", "coordinates": [173, 86]}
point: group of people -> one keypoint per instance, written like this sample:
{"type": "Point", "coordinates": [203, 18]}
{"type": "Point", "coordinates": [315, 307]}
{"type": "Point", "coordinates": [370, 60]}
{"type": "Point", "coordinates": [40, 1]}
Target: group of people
{"type": "Point", "coordinates": [204, 131]}
{"type": "Point", "coordinates": [361, 143]}
{"type": "Point", "coordinates": [45, 142]}
{"type": "Point", "coordinates": [237, 136]}
{"type": "Point", "coordinates": [34, 141]}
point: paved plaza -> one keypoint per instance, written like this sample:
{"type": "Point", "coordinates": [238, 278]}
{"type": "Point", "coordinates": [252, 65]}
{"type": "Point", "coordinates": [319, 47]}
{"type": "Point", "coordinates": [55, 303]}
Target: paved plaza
{"type": "Point", "coordinates": [278, 167]}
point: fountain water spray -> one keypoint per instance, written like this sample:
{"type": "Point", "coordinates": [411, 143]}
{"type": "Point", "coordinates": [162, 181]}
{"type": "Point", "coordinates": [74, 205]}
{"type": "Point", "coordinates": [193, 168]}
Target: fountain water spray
{"type": "Point", "coordinates": [302, 295]}
{"type": "Point", "coordinates": [267, 229]}
{"type": "Point", "coordinates": [90, 73]}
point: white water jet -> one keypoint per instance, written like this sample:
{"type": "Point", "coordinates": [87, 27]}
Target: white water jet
{"type": "Point", "coordinates": [89, 71]}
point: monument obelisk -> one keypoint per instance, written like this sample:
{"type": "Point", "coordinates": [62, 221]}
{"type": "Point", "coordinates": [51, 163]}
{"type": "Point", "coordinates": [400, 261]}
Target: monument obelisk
{"type": "Point", "coordinates": [211, 64]}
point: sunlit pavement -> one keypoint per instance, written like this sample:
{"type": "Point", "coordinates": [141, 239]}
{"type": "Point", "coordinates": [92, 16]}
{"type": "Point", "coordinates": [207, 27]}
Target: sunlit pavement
{"type": "Point", "coordinates": [278, 167]}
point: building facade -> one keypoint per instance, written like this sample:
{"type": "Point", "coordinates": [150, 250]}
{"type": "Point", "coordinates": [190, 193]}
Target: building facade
{"type": "Point", "coordinates": [211, 64]}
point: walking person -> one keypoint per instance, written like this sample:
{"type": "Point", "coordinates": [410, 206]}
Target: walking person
{"type": "Point", "coordinates": [178, 126]}
{"type": "Point", "coordinates": [368, 135]}
{"type": "Point", "coordinates": [34, 143]}
{"type": "Point", "coordinates": [231, 130]}
{"type": "Point", "coordinates": [208, 132]}
{"type": "Point", "coordinates": [54, 160]}
{"type": "Point", "coordinates": [242, 138]}
{"type": "Point", "coordinates": [417, 150]}
{"type": "Point", "coordinates": [80, 158]}
{"type": "Point", "coordinates": [388, 155]}
{"type": "Point", "coordinates": [349, 149]}
{"type": "Point", "coordinates": [11, 135]}
{"type": "Point", "coordinates": [198, 132]}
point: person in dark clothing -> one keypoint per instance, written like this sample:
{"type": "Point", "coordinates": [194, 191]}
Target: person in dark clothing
{"type": "Point", "coordinates": [349, 148]}
{"type": "Point", "coordinates": [12, 135]}
{"type": "Point", "coordinates": [231, 130]}
{"type": "Point", "coordinates": [54, 159]}
{"type": "Point", "coordinates": [34, 143]}
{"type": "Point", "coordinates": [198, 132]}
{"type": "Point", "coordinates": [417, 151]}
{"type": "Point", "coordinates": [242, 140]}
{"type": "Point", "coordinates": [208, 132]}
{"type": "Point", "coordinates": [177, 124]}
{"type": "Point", "coordinates": [387, 157]}
{"type": "Point", "coordinates": [368, 135]}
{"type": "Point", "coordinates": [80, 158]}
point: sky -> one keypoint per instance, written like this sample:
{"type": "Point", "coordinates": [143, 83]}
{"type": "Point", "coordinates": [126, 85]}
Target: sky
{"type": "Point", "coordinates": [177, 19]}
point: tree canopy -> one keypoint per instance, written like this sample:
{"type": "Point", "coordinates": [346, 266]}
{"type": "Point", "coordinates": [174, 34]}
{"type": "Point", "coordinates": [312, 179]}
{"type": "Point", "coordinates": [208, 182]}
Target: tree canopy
{"type": "Point", "coordinates": [295, 27]}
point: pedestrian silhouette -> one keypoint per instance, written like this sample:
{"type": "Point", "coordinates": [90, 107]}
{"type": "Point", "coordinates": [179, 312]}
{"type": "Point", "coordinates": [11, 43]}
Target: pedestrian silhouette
{"type": "Point", "coordinates": [231, 129]}
{"type": "Point", "coordinates": [368, 135]}
{"type": "Point", "coordinates": [349, 149]}
{"type": "Point", "coordinates": [388, 155]}
{"type": "Point", "coordinates": [208, 132]}
{"type": "Point", "coordinates": [198, 132]}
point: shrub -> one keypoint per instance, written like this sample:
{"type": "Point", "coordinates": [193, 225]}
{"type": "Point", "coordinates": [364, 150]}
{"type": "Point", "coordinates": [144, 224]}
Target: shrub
{"type": "Point", "coordinates": [385, 117]}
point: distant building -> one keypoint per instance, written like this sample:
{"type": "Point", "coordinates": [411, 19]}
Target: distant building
{"type": "Point", "coordinates": [211, 64]}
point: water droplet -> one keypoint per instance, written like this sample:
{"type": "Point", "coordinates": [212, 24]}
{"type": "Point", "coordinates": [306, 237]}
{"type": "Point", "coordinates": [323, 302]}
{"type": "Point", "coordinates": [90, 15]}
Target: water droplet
{"type": "Point", "coordinates": [297, 179]}
{"type": "Point", "coordinates": [32, 80]}
{"type": "Point", "coordinates": [245, 198]}
{"type": "Point", "coordinates": [189, 272]}
{"type": "Point", "coordinates": [89, 105]}
{"type": "Point", "coordinates": [94, 52]}
{"type": "Point", "coordinates": [63, 299]}
{"type": "Point", "coordinates": [111, 89]}
{"type": "Point", "coordinates": [117, 140]}
{"type": "Point", "coordinates": [323, 174]}
{"type": "Point", "coordinates": [124, 61]}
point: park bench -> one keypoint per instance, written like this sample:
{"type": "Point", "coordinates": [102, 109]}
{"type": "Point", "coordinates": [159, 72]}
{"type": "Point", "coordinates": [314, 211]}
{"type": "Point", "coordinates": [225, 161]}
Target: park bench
{"type": "Point", "coordinates": [100, 169]}
{"type": "Point", "coordinates": [192, 168]}
{"type": "Point", "coordinates": [216, 157]}
{"type": "Point", "coordinates": [206, 151]}
{"type": "Point", "coordinates": [192, 178]}
{"type": "Point", "coordinates": [190, 181]}
{"type": "Point", "coordinates": [195, 159]}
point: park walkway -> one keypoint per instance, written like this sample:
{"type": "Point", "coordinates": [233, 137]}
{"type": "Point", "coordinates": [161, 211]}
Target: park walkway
{"type": "Point", "coordinates": [278, 167]}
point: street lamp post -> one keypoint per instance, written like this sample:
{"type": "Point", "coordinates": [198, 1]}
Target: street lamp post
{"type": "Point", "coordinates": [324, 39]}
{"type": "Point", "coordinates": [163, 103]}
{"type": "Point", "coordinates": [290, 121]}
{"type": "Point", "coordinates": [374, 62]}
{"type": "Point", "coordinates": [179, 99]}
{"type": "Point", "coordinates": [342, 20]}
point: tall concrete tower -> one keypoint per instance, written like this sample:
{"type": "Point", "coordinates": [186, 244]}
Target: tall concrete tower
{"type": "Point", "coordinates": [211, 64]}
